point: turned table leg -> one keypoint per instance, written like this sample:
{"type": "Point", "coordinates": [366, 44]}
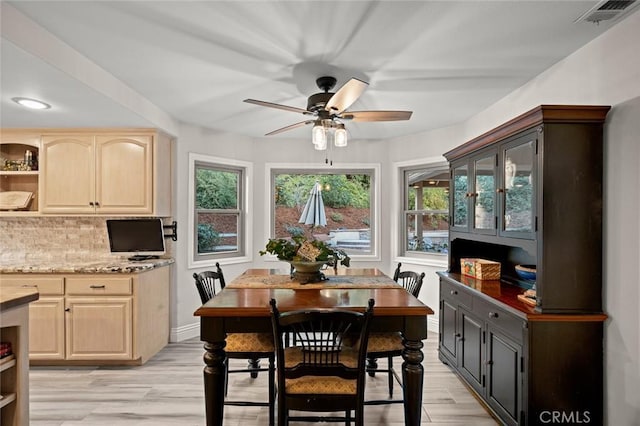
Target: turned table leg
{"type": "Point", "coordinates": [412, 377]}
{"type": "Point", "coordinates": [214, 382]}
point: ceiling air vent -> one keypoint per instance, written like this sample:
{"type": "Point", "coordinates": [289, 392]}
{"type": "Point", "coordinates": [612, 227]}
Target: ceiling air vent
{"type": "Point", "coordinates": [607, 10]}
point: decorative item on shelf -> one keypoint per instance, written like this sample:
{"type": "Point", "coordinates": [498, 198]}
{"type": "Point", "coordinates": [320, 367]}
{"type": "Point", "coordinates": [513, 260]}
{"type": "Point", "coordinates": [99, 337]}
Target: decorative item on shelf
{"type": "Point", "coordinates": [480, 269]}
{"type": "Point", "coordinates": [528, 297]}
{"type": "Point", "coordinates": [15, 200]}
{"type": "Point", "coordinates": [307, 257]}
{"type": "Point", "coordinates": [526, 272]}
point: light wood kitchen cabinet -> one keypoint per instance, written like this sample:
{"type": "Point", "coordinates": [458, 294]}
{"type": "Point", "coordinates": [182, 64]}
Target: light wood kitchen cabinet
{"type": "Point", "coordinates": [106, 173]}
{"type": "Point", "coordinates": [46, 315]}
{"type": "Point", "coordinates": [98, 327]}
{"type": "Point", "coordinates": [97, 318]}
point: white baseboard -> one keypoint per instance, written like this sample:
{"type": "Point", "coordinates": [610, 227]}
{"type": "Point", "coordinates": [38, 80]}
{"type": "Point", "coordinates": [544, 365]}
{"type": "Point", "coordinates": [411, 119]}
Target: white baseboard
{"type": "Point", "coordinates": [433, 324]}
{"type": "Point", "coordinates": [184, 332]}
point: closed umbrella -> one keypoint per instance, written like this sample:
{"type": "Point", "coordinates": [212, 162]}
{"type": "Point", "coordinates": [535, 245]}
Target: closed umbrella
{"type": "Point", "coordinates": [313, 213]}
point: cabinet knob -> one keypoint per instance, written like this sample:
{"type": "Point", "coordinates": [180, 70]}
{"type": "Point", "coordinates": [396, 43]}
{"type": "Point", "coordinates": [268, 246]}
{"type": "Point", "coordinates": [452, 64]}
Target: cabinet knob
{"type": "Point", "coordinates": [499, 190]}
{"type": "Point", "coordinates": [97, 204]}
{"type": "Point", "coordinates": [493, 315]}
{"type": "Point", "coordinates": [68, 310]}
{"type": "Point", "coordinates": [454, 292]}
{"type": "Point", "coordinates": [91, 203]}
{"type": "Point", "coordinates": [489, 362]}
{"type": "Point", "coordinates": [456, 335]}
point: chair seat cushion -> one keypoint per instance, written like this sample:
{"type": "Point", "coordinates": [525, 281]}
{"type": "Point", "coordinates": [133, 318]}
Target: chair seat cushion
{"type": "Point", "coordinates": [294, 356]}
{"type": "Point", "coordinates": [320, 385]}
{"type": "Point", "coordinates": [249, 342]}
{"type": "Point", "coordinates": [385, 342]}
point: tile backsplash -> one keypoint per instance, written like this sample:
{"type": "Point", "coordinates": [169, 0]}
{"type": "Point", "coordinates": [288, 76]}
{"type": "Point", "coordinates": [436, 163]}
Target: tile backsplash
{"type": "Point", "coordinates": [54, 238]}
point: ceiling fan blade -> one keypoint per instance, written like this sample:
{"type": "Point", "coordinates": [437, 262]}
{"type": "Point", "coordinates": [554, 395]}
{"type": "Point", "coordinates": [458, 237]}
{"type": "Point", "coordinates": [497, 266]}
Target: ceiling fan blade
{"type": "Point", "coordinates": [377, 115]}
{"type": "Point", "coordinates": [277, 106]}
{"type": "Point", "coordinates": [345, 96]}
{"type": "Point", "coordinates": [290, 127]}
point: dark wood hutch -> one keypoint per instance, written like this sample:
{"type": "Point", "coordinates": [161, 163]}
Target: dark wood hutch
{"type": "Point", "coordinates": [529, 192]}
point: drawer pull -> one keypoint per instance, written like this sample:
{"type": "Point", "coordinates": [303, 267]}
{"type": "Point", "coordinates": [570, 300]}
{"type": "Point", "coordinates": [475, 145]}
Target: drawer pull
{"type": "Point", "coordinates": [493, 315]}
{"type": "Point", "coordinates": [97, 286]}
{"type": "Point", "coordinates": [29, 286]}
{"type": "Point", "coordinates": [454, 292]}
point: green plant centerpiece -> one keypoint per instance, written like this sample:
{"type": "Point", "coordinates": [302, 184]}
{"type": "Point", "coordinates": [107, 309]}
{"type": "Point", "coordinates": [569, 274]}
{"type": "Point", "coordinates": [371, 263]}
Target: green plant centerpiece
{"type": "Point", "coordinates": [306, 257]}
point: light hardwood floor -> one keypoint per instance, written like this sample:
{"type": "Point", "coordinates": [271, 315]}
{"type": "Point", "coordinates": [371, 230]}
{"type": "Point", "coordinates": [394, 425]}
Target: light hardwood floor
{"type": "Point", "coordinates": [168, 390]}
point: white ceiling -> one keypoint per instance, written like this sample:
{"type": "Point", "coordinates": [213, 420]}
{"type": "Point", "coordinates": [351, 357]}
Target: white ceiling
{"type": "Point", "coordinates": [197, 61]}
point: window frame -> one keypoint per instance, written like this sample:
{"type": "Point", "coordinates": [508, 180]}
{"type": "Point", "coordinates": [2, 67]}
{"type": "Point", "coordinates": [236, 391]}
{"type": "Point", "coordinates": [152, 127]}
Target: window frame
{"type": "Point", "coordinates": [355, 168]}
{"type": "Point", "coordinates": [400, 253]}
{"type": "Point", "coordinates": [245, 225]}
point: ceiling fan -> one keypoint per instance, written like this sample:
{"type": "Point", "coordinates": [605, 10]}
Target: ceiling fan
{"type": "Point", "coordinates": [328, 108]}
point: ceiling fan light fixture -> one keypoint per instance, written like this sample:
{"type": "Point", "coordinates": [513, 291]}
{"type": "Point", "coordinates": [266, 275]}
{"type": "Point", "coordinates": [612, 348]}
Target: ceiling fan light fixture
{"type": "Point", "coordinates": [340, 136]}
{"type": "Point", "coordinates": [319, 136]}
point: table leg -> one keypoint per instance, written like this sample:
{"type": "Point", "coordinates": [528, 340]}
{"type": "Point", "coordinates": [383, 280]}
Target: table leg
{"type": "Point", "coordinates": [412, 377]}
{"type": "Point", "coordinates": [214, 382]}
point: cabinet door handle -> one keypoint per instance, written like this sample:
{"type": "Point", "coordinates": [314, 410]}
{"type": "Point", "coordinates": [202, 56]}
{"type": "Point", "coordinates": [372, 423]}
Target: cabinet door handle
{"type": "Point", "coordinates": [91, 203]}
{"type": "Point", "coordinates": [456, 335]}
{"type": "Point", "coordinates": [454, 292]}
{"type": "Point", "coordinates": [67, 310]}
{"type": "Point", "coordinates": [493, 315]}
{"type": "Point", "coordinates": [97, 204]}
{"type": "Point", "coordinates": [499, 190]}
{"type": "Point", "coordinates": [489, 362]}
{"type": "Point", "coordinates": [97, 286]}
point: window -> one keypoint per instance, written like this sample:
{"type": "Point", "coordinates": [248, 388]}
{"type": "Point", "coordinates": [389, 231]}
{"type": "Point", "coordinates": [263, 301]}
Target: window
{"type": "Point", "coordinates": [425, 219]}
{"type": "Point", "coordinates": [219, 201]}
{"type": "Point", "coordinates": [347, 216]}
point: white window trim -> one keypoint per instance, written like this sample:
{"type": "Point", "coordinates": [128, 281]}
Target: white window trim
{"type": "Point", "coordinates": [269, 167]}
{"type": "Point", "coordinates": [426, 259]}
{"type": "Point", "coordinates": [246, 210]}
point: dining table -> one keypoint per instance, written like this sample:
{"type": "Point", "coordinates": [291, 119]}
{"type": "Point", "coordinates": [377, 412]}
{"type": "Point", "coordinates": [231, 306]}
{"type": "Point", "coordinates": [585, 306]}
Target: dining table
{"type": "Point", "coordinates": [243, 307]}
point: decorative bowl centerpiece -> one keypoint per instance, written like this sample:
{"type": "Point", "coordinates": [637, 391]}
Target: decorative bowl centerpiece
{"type": "Point", "coordinates": [526, 272]}
{"type": "Point", "coordinates": [307, 257]}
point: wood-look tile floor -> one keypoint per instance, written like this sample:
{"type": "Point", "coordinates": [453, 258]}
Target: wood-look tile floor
{"type": "Point", "coordinates": [168, 390]}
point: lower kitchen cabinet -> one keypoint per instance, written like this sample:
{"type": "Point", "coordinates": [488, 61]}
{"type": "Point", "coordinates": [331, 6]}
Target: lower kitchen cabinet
{"type": "Point", "coordinates": [97, 318]}
{"type": "Point", "coordinates": [99, 328]}
{"type": "Point", "coordinates": [528, 368]}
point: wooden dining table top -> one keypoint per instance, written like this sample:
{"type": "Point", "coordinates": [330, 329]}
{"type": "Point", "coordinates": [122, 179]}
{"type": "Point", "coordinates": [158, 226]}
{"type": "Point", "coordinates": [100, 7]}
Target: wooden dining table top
{"type": "Point", "coordinates": [353, 293]}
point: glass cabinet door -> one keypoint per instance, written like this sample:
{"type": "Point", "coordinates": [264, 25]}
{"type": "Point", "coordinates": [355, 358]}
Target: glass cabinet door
{"type": "Point", "coordinates": [484, 195]}
{"type": "Point", "coordinates": [460, 198]}
{"type": "Point", "coordinates": [518, 167]}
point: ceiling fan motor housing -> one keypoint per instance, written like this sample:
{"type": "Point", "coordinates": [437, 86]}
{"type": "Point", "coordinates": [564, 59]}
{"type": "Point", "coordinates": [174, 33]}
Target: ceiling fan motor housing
{"type": "Point", "coordinates": [317, 101]}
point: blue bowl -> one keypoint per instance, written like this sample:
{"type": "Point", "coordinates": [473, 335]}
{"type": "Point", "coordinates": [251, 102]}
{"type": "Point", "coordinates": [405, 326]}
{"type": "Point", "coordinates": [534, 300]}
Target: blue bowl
{"type": "Point", "coordinates": [526, 272]}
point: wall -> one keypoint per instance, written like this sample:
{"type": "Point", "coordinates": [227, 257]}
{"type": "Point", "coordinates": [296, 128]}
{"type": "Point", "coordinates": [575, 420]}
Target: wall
{"type": "Point", "coordinates": [260, 152]}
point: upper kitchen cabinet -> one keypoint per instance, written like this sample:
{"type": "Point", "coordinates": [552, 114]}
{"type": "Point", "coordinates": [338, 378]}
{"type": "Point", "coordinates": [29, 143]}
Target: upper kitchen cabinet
{"type": "Point", "coordinates": [19, 174]}
{"type": "Point", "coordinates": [126, 173]}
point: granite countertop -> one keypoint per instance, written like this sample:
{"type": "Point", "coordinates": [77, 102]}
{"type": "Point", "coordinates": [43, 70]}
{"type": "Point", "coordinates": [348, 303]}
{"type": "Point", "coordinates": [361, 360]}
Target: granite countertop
{"type": "Point", "coordinates": [85, 266]}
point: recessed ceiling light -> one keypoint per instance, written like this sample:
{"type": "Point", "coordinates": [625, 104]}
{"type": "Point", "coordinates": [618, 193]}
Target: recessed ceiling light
{"type": "Point", "coordinates": [31, 103]}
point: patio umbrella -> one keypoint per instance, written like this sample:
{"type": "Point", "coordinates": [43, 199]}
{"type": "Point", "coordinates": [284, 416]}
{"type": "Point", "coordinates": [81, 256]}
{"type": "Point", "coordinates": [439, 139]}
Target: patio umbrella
{"type": "Point", "coordinates": [313, 213]}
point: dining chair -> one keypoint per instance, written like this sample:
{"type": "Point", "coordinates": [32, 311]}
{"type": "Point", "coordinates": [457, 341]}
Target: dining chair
{"type": "Point", "coordinates": [249, 346]}
{"type": "Point", "coordinates": [325, 371]}
{"type": "Point", "coordinates": [390, 345]}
